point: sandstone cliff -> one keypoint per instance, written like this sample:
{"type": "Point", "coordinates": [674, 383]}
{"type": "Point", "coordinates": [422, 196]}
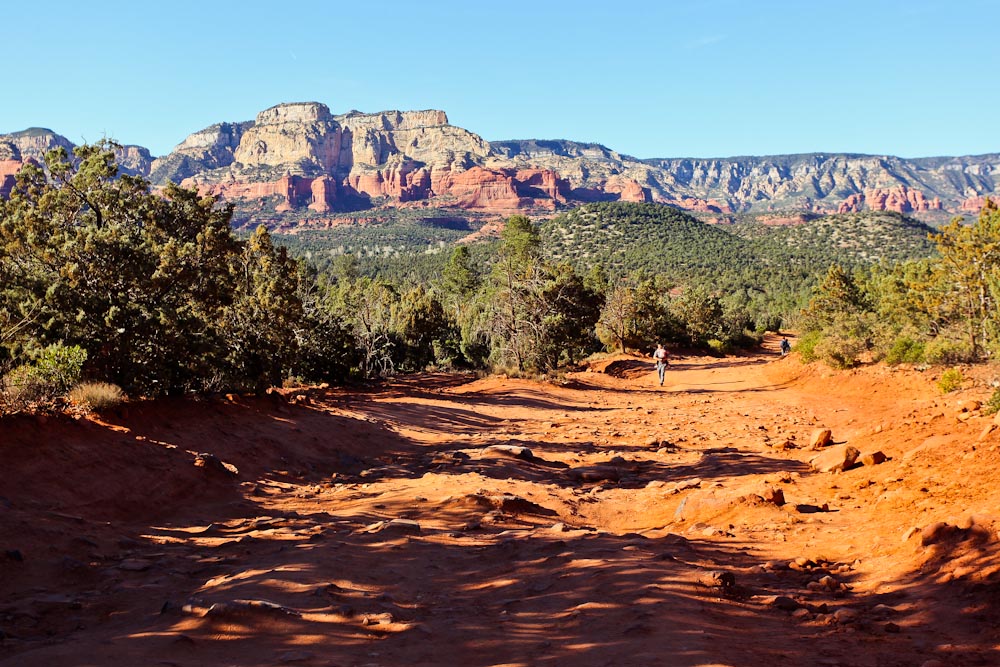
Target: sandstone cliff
{"type": "Point", "coordinates": [35, 142]}
{"type": "Point", "coordinates": [202, 151]}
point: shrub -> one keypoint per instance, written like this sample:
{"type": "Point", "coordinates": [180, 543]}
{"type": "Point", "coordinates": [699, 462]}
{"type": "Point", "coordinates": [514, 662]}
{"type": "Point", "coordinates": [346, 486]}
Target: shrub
{"type": "Point", "coordinates": [717, 348]}
{"type": "Point", "coordinates": [905, 350]}
{"type": "Point", "coordinates": [769, 322]}
{"type": "Point", "coordinates": [60, 366]}
{"type": "Point", "coordinates": [96, 396]}
{"type": "Point", "coordinates": [806, 346]}
{"type": "Point", "coordinates": [950, 380]}
{"type": "Point", "coordinates": [993, 404]}
{"type": "Point", "coordinates": [839, 350]}
{"type": "Point", "coordinates": [38, 385]}
{"type": "Point", "coordinates": [941, 351]}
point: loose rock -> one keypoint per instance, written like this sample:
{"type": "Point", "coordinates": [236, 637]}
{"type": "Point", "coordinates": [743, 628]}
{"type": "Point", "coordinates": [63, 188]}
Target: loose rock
{"type": "Point", "coordinates": [785, 603]}
{"type": "Point", "coordinates": [718, 579]}
{"type": "Point", "coordinates": [936, 532]}
{"type": "Point", "coordinates": [774, 496]}
{"type": "Point", "coordinates": [135, 565]}
{"type": "Point", "coordinates": [844, 615]}
{"type": "Point", "coordinates": [821, 438]}
{"type": "Point", "coordinates": [213, 464]}
{"type": "Point", "coordinates": [835, 459]}
{"type": "Point", "coordinates": [510, 451]}
{"type": "Point", "coordinates": [873, 458]}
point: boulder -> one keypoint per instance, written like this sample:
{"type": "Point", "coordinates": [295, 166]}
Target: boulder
{"type": "Point", "coordinates": [874, 458]}
{"type": "Point", "coordinates": [835, 459]}
{"type": "Point", "coordinates": [820, 438]}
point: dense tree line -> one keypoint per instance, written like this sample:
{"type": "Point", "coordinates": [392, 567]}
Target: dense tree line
{"type": "Point", "coordinates": [941, 309]}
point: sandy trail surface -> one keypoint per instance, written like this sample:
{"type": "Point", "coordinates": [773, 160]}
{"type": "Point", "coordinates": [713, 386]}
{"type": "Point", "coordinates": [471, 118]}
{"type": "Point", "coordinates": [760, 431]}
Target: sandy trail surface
{"type": "Point", "coordinates": [449, 520]}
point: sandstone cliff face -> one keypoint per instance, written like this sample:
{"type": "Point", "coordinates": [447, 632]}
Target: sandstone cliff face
{"type": "Point", "coordinates": [202, 151]}
{"type": "Point", "coordinates": [35, 142]}
{"type": "Point", "coordinates": [32, 145]}
{"type": "Point", "coordinates": [303, 137]}
{"type": "Point", "coordinates": [134, 160]}
{"type": "Point", "coordinates": [397, 157]}
{"type": "Point", "coordinates": [393, 156]}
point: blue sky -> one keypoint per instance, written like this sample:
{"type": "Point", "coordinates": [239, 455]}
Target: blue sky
{"type": "Point", "coordinates": [705, 78]}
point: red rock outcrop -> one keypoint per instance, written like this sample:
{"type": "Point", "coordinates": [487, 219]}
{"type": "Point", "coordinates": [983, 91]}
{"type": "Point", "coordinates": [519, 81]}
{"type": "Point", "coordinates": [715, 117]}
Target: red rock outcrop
{"type": "Point", "coordinates": [481, 189]}
{"type": "Point", "coordinates": [324, 194]}
{"type": "Point", "coordinates": [900, 199]}
{"type": "Point", "coordinates": [404, 183]}
{"type": "Point", "coordinates": [297, 192]}
{"type": "Point", "coordinates": [545, 181]}
{"type": "Point", "coordinates": [852, 204]}
{"type": "Point", "coordinates": [974, 204]}
{"type": "Point", "coordinates": [499, 189]}
{"type": "Point", "coordinates": [8, 169]}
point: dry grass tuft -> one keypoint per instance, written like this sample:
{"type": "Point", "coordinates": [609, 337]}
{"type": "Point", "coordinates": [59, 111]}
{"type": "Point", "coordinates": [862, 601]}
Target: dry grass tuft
{"type": "Point", "coordinates": [96, 396]}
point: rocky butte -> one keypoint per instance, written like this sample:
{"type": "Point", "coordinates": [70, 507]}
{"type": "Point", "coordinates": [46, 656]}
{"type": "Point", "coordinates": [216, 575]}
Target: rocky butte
{"type": "Point", "coordinates": [296, 164]}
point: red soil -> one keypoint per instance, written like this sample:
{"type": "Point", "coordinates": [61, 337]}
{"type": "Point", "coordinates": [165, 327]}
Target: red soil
{"type": "Point", "coordinates": [115, 549]}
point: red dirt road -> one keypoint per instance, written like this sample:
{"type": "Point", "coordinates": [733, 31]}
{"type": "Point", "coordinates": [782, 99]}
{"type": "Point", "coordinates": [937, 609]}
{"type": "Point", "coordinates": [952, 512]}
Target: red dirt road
{"type": "Point", "coordinates": [444, 520]}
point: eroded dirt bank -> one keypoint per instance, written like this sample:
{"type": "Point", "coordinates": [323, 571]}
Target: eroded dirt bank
{"type": "Point", "coordinates": [447, 520]}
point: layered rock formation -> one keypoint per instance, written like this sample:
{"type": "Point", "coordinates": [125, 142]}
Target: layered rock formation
{"type": "Point", "coordinates": [202, 151]}
{"type": "Point", "coordinates": [308, 159]}
{"type": "Point", "coordinates": [900, 199]}
{"type": "Point", "coordinates": [35, 142]}
{"type": "Point", "coordinates": [302, 158]}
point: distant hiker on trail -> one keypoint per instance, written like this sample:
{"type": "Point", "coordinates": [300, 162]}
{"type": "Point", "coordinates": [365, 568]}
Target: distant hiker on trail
{"type": "Point", "coordinates": [786, 347]}
{"type": "Point", "coordinates": [661, 355]}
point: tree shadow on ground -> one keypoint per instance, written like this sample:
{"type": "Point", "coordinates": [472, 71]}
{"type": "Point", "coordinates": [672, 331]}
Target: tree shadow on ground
{"type": "Point", "coordinates": [335, 585]}
{"type": "Point", "coordinates": [320, 589]}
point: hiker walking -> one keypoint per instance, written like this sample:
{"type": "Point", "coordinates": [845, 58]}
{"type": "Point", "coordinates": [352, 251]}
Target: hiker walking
{"type": "Point", "coordinates": [661, 355]}
{"type": "Point", "coordinates": [785, 346]}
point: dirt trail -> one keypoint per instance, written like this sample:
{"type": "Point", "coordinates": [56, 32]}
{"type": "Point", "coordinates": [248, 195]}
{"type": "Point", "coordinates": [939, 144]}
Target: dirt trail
{"type": "Point", "coordinates": [444, 520]}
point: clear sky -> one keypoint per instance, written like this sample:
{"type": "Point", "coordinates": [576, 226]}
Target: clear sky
{"type": "Point", "coordinates": [693, 78]}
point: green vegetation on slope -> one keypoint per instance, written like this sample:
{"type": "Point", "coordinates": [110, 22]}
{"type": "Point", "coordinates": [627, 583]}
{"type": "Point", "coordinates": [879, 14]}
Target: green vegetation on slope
{"type": "Point", "coordinates": [847, 238]}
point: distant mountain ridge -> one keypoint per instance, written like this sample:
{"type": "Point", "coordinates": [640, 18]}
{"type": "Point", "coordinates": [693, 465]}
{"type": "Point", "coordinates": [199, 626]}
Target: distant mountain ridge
{"type": "Point", "coordinates": [300, 165]}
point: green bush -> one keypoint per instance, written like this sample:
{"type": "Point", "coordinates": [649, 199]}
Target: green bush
{"type": "Point", "coordinates": [806, 346]}
{"type": "Point", "coordinates": [39, 384]}
{"type": "Point", "coordinates": [950, 380]}
{"type": "Point", "coordinates": [993, 404]}
{"type": "Point", "coordinates": [60, 365]}
{"type": "Point", "coordinates": [839, 350]}
{"type": "Point", "coordinates": [943, 352]}
{"type": "Point", "coordinates": [718, 348]}
{"type": "Point", "coordinates": [96, 396]}
{"type": "Point", "coordinates": [905, 350]}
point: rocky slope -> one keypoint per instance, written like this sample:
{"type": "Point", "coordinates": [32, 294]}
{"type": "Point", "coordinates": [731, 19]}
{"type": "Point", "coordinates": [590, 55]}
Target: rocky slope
{"type": "Point", "coordinates": [301, 162]}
